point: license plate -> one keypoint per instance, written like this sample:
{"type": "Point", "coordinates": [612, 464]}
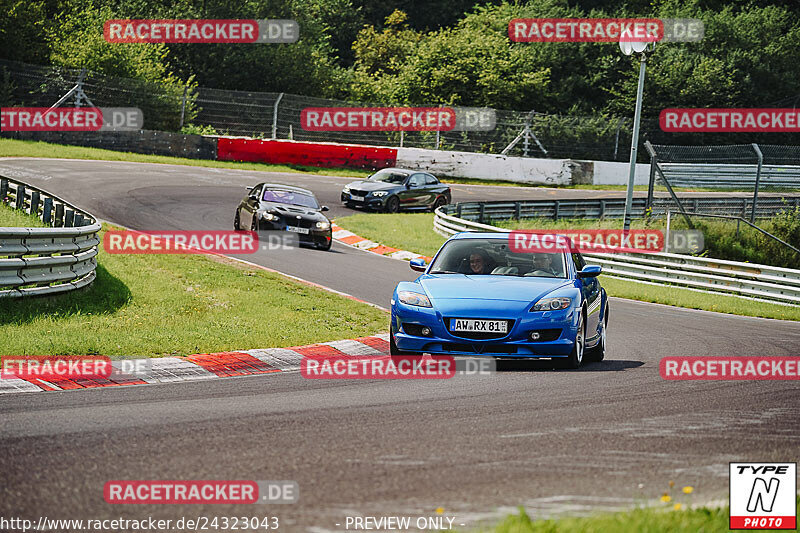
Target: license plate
{"type": "Point", "coordinates": [473, 325]}
{"type": "Point", "coordinates": [295, 229]}
{"type": "Point", "coordinates": [356, 198]}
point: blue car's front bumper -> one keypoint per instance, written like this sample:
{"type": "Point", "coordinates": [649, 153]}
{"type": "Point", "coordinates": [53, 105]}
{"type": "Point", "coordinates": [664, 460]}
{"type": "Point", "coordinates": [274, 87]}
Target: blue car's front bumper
{"type": "Point", "coordinates": [558, 330]}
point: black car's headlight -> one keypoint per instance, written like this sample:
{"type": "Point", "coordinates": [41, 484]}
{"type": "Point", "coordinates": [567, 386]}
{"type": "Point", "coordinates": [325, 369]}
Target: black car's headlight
{"type": "Point", "coordinates": [414, 298]}
{"type": "Point", "coordinates": [269, 216]}
{"type": "Point", "coordinates": [323, 224]}
{"type": "Point", "coordinates": [551, 304]}
{"type": "Point", "coordinates": [379, 194]}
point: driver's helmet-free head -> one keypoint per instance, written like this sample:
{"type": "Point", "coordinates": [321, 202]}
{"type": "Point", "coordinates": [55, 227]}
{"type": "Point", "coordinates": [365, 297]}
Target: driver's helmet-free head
{"type": "Point", "coordinates": [541, 260]}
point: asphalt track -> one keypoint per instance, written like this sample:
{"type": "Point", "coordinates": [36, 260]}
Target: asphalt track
{"type": "Point", "coordinates": [605, 437]}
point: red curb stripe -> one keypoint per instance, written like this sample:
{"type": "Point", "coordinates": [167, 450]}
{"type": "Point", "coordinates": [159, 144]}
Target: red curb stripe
{"type": "Point", "coordinates": [352, 239]}
{"type": "Point", "coordinates": [383, 250]}
{"type": "Point", "coordinates": [319, 351]}
{"type": "Point", "coordinates": [375, 342]}
{"type": "Point", "coordinates": [227, 364]}
{"type": "Point", "coordinates": [39, 383]}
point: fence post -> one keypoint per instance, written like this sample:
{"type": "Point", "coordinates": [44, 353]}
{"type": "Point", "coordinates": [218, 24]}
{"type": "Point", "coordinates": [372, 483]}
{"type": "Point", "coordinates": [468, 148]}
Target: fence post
{"type": "Point", "coordinates": [35, 203]}
{"type": "Point", "coordinates": [183, 104]}
{"type": "Point", "coordinates": [602, 209]}
{"type": "Point", "coordinates": [616, 142]}
{"type": "Point", "coordinates": [666, 233]}
{"type": "Point", "coordinates": [20, 197]}
{"type": "Point", "coordinates": [275, 117]}
{"type": "Point", "coordinates": [69, 218]}
{"type": "Point", "coordinates": [480, 213]}
{"type": "Point", "coordinates": [758, 180]}
{"type": "Point", "coordinates": [517, 210]}
{"type": "Point", "coordinates": [438, 134]}
{"type": "Point", "coordinates": [47, 211]}
{"type": "Point", "coordinates": [527, 138]}
{"type": "Point", "coordinates": [59, 222]}
{"type": "Point", "coordinates": [555, 211]}
{"type": "Point", "coordinates": [3, 190]}
{"type": "Point", "coordinates": [402, 137]}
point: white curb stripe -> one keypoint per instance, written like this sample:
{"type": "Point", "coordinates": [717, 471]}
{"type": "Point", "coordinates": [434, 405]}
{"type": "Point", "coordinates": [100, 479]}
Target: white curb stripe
{"type": "Point", "coordinates": [17, 385]}
{"type": "Point", "coordinates": [365, 244]}
{"type": "Point", "coordinates": [280, 358]}
{"type": "Point", "coordinates": [342, 233]}
{"type": "Point", "coordinates": [170, 369]}
{"type": "Point", "coordinates": [351, 347]}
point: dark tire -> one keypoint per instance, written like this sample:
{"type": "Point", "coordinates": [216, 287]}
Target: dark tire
{"type": "Point", "coordinates": [440, 201]}
{"type": "Point", "coordinates": [394, 351]}
{"type": "Point", "coordinates": [392, 205]}
{"type": "Point", "coordinates": [325, 247]}
{"type": "Point", "coordinates": [598, 353]}
{"type": "Point", "coordinates": [576, 357]}
{"type": "Point", "coordinates": [236, 225]}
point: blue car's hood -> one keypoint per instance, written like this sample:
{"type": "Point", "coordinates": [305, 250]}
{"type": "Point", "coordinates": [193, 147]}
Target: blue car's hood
{"type": "Point", "coordinates": [507, 288]}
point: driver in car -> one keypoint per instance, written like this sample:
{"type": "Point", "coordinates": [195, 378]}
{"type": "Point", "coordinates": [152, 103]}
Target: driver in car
{"type": "Point", "coordinates": [543, 262]}
{"type": "Point", "coordinates": [479, 263]}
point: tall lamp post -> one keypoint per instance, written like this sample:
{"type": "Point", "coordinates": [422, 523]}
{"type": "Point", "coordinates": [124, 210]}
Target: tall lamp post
{"type": "Point", "coordinates": [642, 49]}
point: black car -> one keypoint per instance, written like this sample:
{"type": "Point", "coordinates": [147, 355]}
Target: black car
{"type": "Point", "coordinates": [276, 207]}
{"type": "Point", "coordinates": [393, 189]}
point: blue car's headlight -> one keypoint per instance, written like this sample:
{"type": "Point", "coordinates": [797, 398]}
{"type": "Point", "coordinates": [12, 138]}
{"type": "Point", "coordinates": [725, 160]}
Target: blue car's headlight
{"type": "Point", "coordinates": [551, 304]}
{"type": "Point", "coordinates": [379, 194]}
{"type": "Point", "coordinates": [414, 298]}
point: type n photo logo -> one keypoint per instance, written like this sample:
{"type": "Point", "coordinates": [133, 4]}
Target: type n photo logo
{"type": "Point", "coordinates": [762, 495]}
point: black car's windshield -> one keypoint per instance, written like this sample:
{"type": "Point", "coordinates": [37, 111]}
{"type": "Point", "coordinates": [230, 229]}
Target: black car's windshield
{"type": "Point", "coordinates": [389, 176]}
{"type": "Point", "coordinates": [282, 196]}
{"type": "Point", "coordinates": [494, 257]}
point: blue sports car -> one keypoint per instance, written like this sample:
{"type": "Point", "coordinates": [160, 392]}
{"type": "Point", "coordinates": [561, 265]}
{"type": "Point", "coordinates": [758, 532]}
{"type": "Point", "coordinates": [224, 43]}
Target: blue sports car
{"type": "Point", "coordinates": [480, 297]}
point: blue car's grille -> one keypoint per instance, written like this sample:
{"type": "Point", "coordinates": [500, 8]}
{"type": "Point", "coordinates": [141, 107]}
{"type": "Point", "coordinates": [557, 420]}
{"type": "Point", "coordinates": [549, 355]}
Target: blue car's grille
{"type": "Point", "coordinates": [486, 348]}
{"type": "Point", "coordinates": [479, 335]}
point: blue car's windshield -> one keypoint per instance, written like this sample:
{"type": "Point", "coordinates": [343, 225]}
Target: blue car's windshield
{"type": "Point", "coordinates": [283, 196]}
{"type": "Point", "coordinates": [493, 257]}
{"type": "Point", "coordinates": [389, 176]}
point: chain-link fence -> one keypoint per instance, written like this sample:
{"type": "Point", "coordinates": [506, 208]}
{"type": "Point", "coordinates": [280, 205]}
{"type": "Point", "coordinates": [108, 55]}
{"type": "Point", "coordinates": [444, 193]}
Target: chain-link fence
{"type": "Point", "coordinates": [170, 105]}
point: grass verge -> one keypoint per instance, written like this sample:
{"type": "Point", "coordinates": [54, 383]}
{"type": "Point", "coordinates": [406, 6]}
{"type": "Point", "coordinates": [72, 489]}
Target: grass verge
{"type": "Point", "coordinates": [651, 520]}
{"type": "Point", "coordinates": [157, 305]}
{"type": "Point", "coordinates": [414, 232]}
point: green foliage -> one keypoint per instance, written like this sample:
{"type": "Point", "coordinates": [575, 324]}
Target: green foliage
{"type": "Point", "coordinates": [199, 129]}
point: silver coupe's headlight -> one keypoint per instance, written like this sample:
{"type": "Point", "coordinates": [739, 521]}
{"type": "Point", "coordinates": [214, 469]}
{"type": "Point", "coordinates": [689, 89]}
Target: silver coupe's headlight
{"type": "Point", "coordinates": [379, 194]}
{"type": "Point", "coordinates": [346, 190]}
{"type": "Point", "coordinates": [323, 225]}
{"type": "Point", "coordinates": [551, 304]}
{"type": "Point", "coordinates": [414, 298]}
{"type": "Point", "coordinates": [268, 216]}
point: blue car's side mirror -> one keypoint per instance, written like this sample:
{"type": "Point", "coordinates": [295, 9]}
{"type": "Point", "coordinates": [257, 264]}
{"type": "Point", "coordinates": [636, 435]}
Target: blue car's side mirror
{"type": "Point", "coordinates": [590, 271]}
{"type": "Point", "coordinates": [417, 265]}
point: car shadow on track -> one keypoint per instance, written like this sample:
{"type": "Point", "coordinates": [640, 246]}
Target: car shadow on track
{"type": "Point", "coordinates": [609, 365]}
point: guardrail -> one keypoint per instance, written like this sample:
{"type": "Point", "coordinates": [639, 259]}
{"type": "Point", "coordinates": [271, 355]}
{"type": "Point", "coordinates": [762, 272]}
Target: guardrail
{"type": "Point", "coordinates": [747, 280]}
{"type": "Point", "coordinates": [50, 260]}
{"type": "Point", "coordinates": [594, 208]}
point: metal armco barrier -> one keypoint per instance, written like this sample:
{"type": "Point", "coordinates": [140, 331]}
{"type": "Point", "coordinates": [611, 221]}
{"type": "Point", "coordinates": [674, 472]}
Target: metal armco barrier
{"type": "Point", "coordinates": [712, 275]}
{"type": "Point", "coordinates": [486, 212]}
{"type": "Point", "coordinates": [38, 261]}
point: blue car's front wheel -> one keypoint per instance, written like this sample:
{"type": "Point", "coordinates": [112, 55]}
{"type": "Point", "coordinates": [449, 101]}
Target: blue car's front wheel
{"type": "Point", "coordinates": [575, 358]}
{"type": "Point", "coordinates": [394, 350]}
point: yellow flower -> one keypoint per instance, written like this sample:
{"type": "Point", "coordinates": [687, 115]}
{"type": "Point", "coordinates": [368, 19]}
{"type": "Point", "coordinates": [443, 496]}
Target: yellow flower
{"type": "Point", "coordinates": [439, 510]}
{"type": "Point", "coordinates": [666, 498]}
{"type": "Point", "coordinates": [688, 490]}
{"type": "Point", "coordinates": [677, 507]}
